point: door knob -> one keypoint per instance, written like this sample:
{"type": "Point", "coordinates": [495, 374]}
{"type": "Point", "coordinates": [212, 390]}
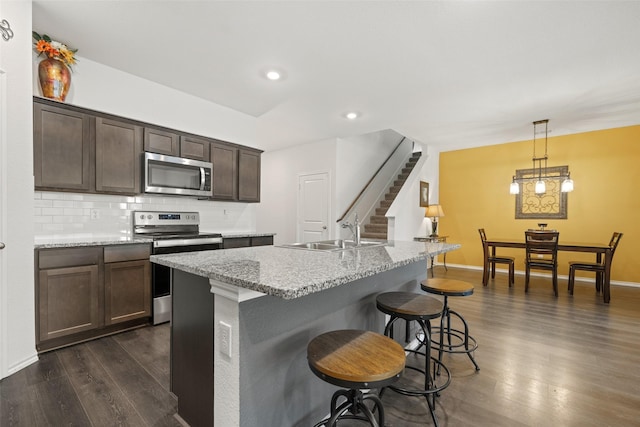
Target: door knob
{"type": "Point", "coordinates": [1, 245]}
{"type": "Point", "coordinates": [324, 227]}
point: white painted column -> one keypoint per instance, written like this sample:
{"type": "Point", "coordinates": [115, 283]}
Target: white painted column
{"type": "Point", "coordinates": [226, 367]}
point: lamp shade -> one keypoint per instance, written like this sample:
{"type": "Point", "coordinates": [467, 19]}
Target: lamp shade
{"type": "Point", "coordinates": [434, 211]}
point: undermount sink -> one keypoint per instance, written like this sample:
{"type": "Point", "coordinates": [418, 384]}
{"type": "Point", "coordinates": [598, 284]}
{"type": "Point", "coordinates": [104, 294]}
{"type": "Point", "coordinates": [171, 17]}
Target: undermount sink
{"type": "Point", "coordinates": [334, 245]}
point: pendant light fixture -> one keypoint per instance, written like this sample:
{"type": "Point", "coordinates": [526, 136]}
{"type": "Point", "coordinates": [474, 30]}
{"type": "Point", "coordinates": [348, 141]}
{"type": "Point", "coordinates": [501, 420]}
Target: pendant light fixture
{"type": "Point", "coordinates": [541, 173]}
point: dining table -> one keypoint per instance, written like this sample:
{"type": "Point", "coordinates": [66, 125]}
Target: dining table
{"type": "Point", "coordinates": [600, 249]}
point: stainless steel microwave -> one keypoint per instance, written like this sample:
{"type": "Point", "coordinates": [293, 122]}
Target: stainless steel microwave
{"type": "Point", "coordinates": [176, 175]}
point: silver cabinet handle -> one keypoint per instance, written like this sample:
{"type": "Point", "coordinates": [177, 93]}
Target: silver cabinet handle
{"type": "Point", "coordinates": [1, 245]}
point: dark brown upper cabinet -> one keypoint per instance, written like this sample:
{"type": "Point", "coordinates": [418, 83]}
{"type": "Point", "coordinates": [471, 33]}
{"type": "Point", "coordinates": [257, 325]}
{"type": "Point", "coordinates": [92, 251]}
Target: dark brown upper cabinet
{"type": "Point", "coordinates": [161, 141]}
{"type": "Point", "coordinates": [224, 158]}
{"type": "Point", "coordinates": [194, 148]}
{"type": "Point", "coordinates": [248, 175]}
{"type": "Point", "coordinates": [85, 151]}
{"type": "Point", "coordinates": [118, 150]}
{"type": "Point", "coordinates": [63, 144]}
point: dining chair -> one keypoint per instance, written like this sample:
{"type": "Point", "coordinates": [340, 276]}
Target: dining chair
{"type": "Point", "coordinates": [491, 261]}
{"type": "Point", "coordinates": [541, 254]}
{"type": "Point", "coordinates": [597, 267]}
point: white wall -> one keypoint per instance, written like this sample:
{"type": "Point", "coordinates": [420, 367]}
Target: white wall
{"type": "Point", "coordinates": [358, 158]}
{"type": "Point", "coordinates": [277, 212]}
{"type": "Point", "coordinates": [17, 311]}
{"type": "Point", "coordinates": [108, 90]}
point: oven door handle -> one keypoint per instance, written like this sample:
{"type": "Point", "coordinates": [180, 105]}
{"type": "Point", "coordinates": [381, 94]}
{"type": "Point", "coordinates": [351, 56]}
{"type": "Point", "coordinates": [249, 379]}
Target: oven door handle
{"type": "Point", "coordinates": [186, 242]}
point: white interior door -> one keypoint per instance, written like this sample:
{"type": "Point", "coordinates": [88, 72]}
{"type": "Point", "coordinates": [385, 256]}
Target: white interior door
{"type": "Point", "coordinates": [313, 207]}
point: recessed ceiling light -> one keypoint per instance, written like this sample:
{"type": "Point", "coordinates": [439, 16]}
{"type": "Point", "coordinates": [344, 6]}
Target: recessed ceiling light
{"type": "Point", "coordinates": [352, 115]}
{"type": "Point", "coordinates": [273, 75]}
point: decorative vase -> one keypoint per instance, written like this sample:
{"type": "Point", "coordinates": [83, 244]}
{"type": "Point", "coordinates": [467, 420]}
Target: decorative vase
{"type": "Point", "coordinates": [55, 78]}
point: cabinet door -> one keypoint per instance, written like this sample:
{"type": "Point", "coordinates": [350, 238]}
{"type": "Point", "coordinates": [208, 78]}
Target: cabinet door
{"type": "Point", "coordinates": [262, 241]}
{"type": "Point", "coordinates": [118, 150]}
{"type": "Point", "coordinates": [62, 148]}
{"type": "Point", "coordinates": [127, 291]}
{"type": "Point", "coordinates": [161, 141]}
{"type": "Point", "coordinates": [194, 148]}
{"type": "Point", "coordinates": [225, 171]}
{"type": "Point", "coordinates": [69, 301]}
{"type": "Point", "coordinates": [236, 242]}
{"type": "Point", "coordinates": [248, 175]}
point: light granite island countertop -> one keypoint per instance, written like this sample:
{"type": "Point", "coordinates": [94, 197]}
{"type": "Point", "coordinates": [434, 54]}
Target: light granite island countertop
{"type": "Point", "coordinates": [292, 273]}
{"type": "Point", "coordinates": [242, 319]}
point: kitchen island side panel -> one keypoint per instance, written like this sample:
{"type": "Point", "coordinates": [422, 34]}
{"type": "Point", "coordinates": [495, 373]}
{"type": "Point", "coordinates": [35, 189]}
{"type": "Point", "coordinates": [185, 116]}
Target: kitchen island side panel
{"type": "Point", "coordinates": [277, 388]}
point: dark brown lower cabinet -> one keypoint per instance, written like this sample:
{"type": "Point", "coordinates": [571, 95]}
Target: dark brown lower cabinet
{"type": "Point", "coordinates": [245, 242]}
{"type": "Point", "coordinates": [87, 292]}
{"type": "Point", "coordinates": [69, 301]}
{"type": "Point", "coordinates": [126, 294]}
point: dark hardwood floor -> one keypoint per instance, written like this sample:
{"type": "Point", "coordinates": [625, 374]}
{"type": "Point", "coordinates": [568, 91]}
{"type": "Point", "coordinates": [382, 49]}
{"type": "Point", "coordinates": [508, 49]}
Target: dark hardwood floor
{"type": "Point", "coordinates": [545, 361]}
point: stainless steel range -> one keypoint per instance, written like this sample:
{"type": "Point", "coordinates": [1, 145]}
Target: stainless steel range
{"type": "Point", "coordinates": [172, 232]}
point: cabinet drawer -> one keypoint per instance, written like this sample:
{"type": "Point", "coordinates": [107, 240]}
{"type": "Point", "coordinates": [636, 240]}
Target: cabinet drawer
{"type": "Point", "coordinates": [68, 257]}
{"type": "Point", "coordinates": [119, 253]}
{"type": "Point", "coordinates": [236, 242]}
{"type": "Point", "coordinates": [262, 241]}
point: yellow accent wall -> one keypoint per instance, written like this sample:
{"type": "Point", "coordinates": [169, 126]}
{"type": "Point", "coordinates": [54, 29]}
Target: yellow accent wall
{"type": "Point", "coordinates": [605, 168]}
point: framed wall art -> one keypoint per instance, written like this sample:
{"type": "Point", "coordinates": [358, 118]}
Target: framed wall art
{"type": "Point", "coordinates": [424, 194]}
{"type": "Point", "coordinates": [550, 205]}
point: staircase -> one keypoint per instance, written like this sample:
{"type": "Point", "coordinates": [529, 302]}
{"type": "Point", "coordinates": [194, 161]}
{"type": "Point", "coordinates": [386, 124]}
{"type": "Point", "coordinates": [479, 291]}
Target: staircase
{"type": "Point", "coordinates": [377, 227]}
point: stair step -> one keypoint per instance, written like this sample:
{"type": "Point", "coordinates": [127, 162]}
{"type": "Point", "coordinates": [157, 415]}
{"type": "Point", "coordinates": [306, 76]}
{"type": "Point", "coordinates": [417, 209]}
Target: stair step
{"type": "Point", "coordinates": [382, 236]}
{"type": "Point", "coordinates": [399, 182]}
{"type": "Point", "coordinates": [375, 228]}
{"type": "Point", "coordinates": [385, 203]}
{"type": "Point", "coordinates": [379, 219]}
{"type": "Point", "coordinates": [406, 171]}
{"type": "Point", "coordinates": [395, 189]}
{"type": "Point", "coordinates": [390, 196]}
{"type": "Point", "coordinates": [382, 211]}
{"type": "Point", "coordinates": [403, 176]}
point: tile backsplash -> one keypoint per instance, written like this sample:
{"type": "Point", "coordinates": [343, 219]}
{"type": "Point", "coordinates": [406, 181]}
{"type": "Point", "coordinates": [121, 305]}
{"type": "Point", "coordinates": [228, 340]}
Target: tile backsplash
{"type": "Point", "coordinates": [64, 214]}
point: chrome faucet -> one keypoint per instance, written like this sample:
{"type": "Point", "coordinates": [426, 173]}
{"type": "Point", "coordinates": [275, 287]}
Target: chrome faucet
{"type": "Point", "coordinates": [354, 228]}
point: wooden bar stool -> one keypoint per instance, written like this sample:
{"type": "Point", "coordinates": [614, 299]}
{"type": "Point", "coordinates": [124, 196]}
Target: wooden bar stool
{"type": "Point", "coordinates": [420, 308]}
{"type": "Point", "coordinates": [466, 343]}
{"type": "Point", "coordinates": [355, 360]}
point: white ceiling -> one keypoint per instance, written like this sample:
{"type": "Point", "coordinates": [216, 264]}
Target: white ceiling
{"type": "Point", "coordinates": [450, 73]}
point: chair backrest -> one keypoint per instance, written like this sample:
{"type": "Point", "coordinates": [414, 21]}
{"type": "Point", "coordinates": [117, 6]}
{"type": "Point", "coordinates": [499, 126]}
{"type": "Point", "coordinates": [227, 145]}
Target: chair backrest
{"type": "Point", "coordinates": [483, 235]}
{"type": "Point", "coordinates": [613, 243]}
{"type": "Point", "coordinates": [543, 243]}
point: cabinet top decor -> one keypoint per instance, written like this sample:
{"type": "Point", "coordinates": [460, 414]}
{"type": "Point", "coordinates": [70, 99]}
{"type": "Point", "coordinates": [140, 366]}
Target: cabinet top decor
{"type": "Point", "coordinates": [54, 49]}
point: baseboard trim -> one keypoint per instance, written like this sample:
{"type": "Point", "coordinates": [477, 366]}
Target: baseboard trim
{"type": "Point", "coordinates": [22, 364]}
{"type": "Point", "coordinates": [537, 274]}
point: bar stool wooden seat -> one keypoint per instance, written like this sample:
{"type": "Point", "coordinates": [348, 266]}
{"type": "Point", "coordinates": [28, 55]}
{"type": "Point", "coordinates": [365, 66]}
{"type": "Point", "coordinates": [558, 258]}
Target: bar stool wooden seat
{"type": "Point", "coordinates": [464, 343]}
{"type": "Point", "coordinates": [420, 308]}
{"type": "Point", "coordinates": [355, 359]}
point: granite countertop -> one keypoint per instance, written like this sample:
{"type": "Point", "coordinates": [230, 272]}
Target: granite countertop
{"type": "Point", "coordinates": [75, 240]}
{"type": "Point", "coordinates": [292, 273]}
{"type": "Point", "coordinates": [70, 241]}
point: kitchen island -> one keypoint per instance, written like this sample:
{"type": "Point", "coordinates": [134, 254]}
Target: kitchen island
{"type": "Point", "coordinates": [242, 319]}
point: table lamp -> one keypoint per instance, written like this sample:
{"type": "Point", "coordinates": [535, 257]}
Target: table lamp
{"type": "Point", "coordinates": [434, 212]}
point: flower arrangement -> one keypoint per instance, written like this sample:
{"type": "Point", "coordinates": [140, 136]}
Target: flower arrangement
{"type": "Point", "coordinates": [53, 49]}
